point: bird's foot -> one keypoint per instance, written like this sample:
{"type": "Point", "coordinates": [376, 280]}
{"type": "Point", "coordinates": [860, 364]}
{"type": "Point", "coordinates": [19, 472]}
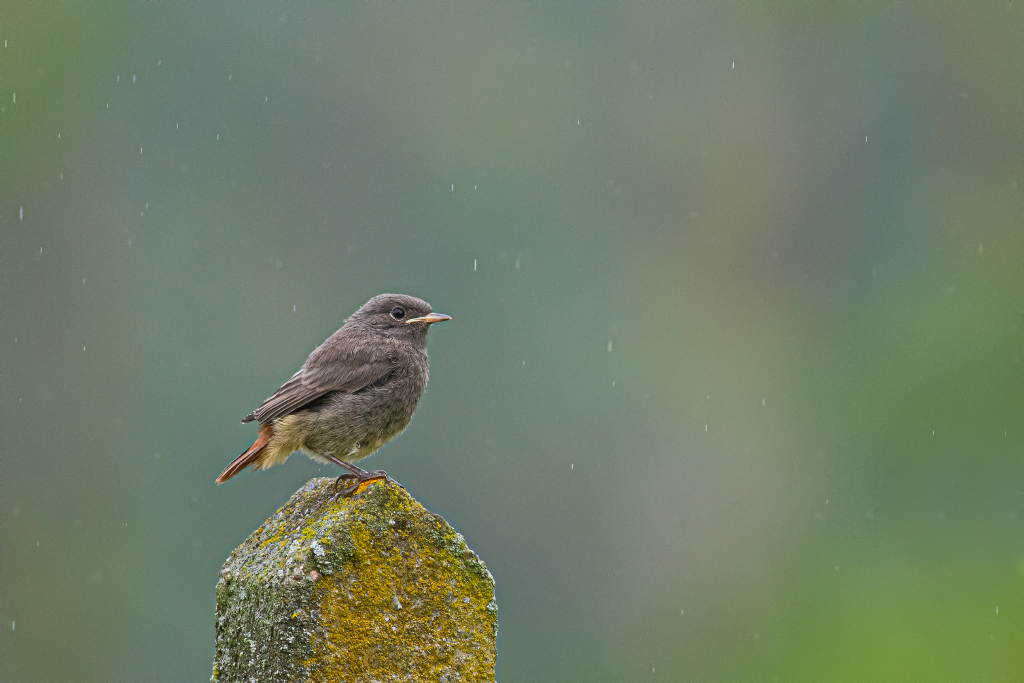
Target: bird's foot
{"type": "Point", "coordinates": [338, 480]}
{"type": "Point", "coordinates": [359, 476]}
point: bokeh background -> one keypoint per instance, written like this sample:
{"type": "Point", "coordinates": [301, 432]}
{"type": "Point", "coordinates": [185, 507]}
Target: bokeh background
{"type": "Point", "coordinates": [733, 389]}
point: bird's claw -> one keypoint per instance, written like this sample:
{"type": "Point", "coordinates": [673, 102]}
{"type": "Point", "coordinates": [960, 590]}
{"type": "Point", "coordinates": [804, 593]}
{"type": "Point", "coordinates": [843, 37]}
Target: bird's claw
{"type": "Point", "coordinates": [360, 478]}
{"type": "Point", "coordinates": [337, 480]}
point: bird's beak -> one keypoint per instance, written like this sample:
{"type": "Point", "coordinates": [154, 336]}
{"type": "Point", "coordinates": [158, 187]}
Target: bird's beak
{"type": "Point", "coordinates": [429, 319]}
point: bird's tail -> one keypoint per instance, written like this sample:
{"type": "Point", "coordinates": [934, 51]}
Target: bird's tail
{"type": "Point", "coordinates": [250, 456]}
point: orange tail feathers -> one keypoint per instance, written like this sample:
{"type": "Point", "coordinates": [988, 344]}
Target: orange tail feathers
{"type": "Point", "coordinates": [249, 456]}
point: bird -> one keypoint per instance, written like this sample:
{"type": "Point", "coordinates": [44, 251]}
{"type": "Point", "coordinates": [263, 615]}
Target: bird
{"type": "Point", "coordinates": [354, 393]}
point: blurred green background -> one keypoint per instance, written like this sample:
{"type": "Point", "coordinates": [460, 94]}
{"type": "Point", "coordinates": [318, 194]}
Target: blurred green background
{"type": "Point", "coordinates": [733, 389]}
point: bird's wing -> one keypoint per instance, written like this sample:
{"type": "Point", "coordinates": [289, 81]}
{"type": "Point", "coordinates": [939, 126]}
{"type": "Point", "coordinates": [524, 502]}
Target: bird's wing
{"type": "Point", "coordinates": [339, 366]}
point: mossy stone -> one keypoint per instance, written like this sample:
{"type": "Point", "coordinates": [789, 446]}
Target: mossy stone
{"type": "Point", "coordinates": [371, 587]}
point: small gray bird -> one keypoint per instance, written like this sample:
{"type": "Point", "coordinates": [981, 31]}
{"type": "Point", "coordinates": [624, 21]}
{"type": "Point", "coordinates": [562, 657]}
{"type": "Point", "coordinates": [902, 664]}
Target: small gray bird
{"type": "Point", "coordinates": [354, 393]}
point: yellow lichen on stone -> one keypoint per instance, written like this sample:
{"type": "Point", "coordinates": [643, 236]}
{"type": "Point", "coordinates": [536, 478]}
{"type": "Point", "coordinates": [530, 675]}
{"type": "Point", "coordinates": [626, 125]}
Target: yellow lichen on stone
{"type": "Point", "coordinates": [403, 601]}
{"type": "Point", "coordinates": [370, 587]}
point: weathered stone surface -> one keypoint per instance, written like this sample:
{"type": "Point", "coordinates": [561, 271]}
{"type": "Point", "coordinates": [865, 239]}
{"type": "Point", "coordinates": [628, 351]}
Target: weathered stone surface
{"type": "Point", "coordinates": [372, 587]}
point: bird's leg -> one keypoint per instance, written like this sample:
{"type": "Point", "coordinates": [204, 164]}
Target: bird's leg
{"type": "Point", "coordinates": [362, 475]}
{"type": "Point", "coordinates": [357, 473]}
{"type": "Point", "coordinates": [340, 463]}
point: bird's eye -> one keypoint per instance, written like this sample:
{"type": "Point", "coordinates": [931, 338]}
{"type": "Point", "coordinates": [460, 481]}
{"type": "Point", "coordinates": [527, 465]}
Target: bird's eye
{"type": "Point", "coordinates": [397, 313]}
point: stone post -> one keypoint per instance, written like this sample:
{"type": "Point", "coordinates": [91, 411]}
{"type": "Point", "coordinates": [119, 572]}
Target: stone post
{"type": "Point", "coordinates": [372, 587]}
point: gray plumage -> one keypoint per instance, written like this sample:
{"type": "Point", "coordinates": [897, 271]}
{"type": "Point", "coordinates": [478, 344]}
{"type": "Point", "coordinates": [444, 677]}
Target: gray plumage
{"type": "Point", "coordinates": [353, 394]}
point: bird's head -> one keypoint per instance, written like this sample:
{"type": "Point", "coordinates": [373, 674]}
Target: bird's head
{"type": "Point", "coordinates": [397, 315]}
